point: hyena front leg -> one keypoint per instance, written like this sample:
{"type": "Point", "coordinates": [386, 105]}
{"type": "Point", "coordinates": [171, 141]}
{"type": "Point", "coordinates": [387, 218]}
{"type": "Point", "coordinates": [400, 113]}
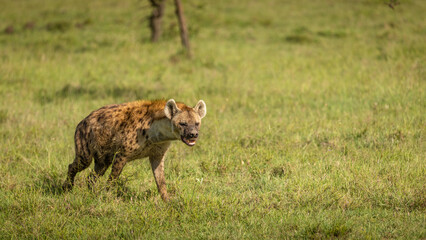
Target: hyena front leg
{"type": "Point", "coordinates": [157, 165]}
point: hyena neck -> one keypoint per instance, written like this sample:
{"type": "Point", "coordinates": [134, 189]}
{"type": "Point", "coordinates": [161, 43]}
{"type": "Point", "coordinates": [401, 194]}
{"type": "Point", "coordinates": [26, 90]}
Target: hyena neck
{"type": "Point", "coordinates": [161, 130]}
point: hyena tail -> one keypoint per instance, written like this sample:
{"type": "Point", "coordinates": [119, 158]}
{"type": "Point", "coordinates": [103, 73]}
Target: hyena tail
{"type": "Point", "coordinates": [82, 160]}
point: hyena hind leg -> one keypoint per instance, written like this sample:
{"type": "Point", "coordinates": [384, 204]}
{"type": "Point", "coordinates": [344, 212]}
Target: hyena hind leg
{"type": "Point", "coordinates": [77, 166]}
{"type": "Point", "coordinates": [101, 165]}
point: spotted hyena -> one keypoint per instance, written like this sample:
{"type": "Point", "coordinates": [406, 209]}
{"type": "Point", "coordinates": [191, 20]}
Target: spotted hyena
{"type": "Point", "coordinates": [117, 134]}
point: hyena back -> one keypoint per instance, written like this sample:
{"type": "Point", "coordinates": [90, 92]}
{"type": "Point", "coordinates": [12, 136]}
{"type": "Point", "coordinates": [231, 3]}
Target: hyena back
{"type": "Point", "coordinates": [116, 134]}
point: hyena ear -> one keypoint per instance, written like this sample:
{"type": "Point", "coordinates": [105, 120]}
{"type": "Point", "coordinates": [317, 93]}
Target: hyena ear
{"type": "Point", "coordinates": [201, 108]}
{"type": "Point", "coordinates": [171, 109]}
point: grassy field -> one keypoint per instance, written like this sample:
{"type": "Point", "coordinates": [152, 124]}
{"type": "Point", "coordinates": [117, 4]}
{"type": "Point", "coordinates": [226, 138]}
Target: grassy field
{"type": "Point", "coordinates": [315, 125]}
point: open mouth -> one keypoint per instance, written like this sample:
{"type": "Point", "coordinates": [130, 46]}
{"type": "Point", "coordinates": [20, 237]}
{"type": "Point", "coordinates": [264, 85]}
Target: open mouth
{"type": "Point", "coordinates": [190, 142]}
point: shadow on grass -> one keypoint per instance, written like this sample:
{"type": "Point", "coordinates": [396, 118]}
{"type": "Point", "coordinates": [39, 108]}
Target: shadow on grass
{"type": "Point", "coordinates": [3, 116]}
{"type": "Point", "coordinates": [303, 35]}
{"type": "Point", "coordinates": [116, 189]}
{"type": "Point", "coordinates": [334, 230]}
{"type": "Point", "coordinates": [50, 183]}
{"type": "Point", "coordinates": [299, 38]}
{"type": "Point", "coordinates": [70, 91]}
{"type": "Point", "coordinates": [126, 194]}
{"type": "Point", "coordinates": [331, 34]}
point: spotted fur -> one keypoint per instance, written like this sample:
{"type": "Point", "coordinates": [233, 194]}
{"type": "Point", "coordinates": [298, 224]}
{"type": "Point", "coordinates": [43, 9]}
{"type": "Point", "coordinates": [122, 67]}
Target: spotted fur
{"type": "Point", "coordinates": [116, 134]}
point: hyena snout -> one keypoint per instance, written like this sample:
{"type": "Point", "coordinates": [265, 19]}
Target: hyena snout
{"type": "Point", "coordinates": [190, 137]}
{"type": "Point", "coordinates": [191, 133]}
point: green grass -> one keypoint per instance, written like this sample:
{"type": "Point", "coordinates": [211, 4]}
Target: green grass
{"type": "Point", "coordinates": [315, 126]}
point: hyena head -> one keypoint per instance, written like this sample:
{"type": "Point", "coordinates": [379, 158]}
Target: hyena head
{"type": "Point", "coordinates": [186, 122]}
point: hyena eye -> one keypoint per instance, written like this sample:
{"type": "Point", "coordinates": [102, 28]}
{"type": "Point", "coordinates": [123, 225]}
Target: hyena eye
{"type": "Point", "coordinates": [183, 124]}
{"type": "Point", "coordinates": [197, 124]}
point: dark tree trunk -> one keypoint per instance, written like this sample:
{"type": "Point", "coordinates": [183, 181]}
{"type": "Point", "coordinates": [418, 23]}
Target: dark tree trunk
{"type": "Point", "coordinates": [155, 19]}
{"type": "Point", "coordinates": [182, 26]}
